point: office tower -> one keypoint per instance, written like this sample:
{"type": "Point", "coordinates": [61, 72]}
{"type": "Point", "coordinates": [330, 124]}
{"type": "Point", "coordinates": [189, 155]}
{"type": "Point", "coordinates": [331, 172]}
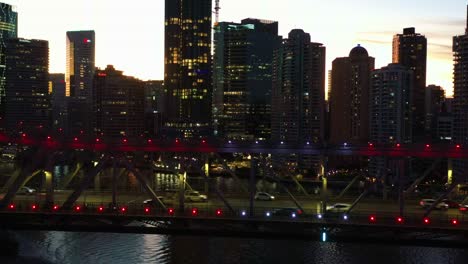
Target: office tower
{"type": "Point", "coordinates": [390, 117]}
{"type": "Point", "coordinates": [298, 94]}
{"type": "Point", "coordinates": [460, 101]}
{"type": "Point", "coordinates": [243, 56]}
{"type": "Point", "coordinates": [8, 29]}
{"type": "Point", "coordinates": [27, 75]}
{"type": "Point", "coordinates": [154, 105]}
{"type": "Point", "coordinates": [434, 98]}
{"type": "Point", "coordinates": [58, 100]}
{"type": "Point", "coordinates": [188, 68]}
{"type": "Point", "coordinates": [445, 121]}
{"type": "Point", "coordinates": [79, 74]}
{"type": "Point", "coordinates": [410, 50]}
{"type": "Point", "coordinates": [118, 104]}
{"type": "Point", "coordinates": [349, 97]}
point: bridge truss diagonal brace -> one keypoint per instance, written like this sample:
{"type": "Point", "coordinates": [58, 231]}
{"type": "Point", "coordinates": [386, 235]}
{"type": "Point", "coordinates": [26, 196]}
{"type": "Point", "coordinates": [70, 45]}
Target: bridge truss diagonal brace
{"type": "Point", "coordinates": [71, 176]}
{"type": "Point", "coordinates": [424, 175]}
{"type": "Point", "coordinates": [85, 183]}
{"type": "Point", "coordinates": [24, 176]}
{"type": "Point", "coordinates": [296, 202]}
{"type": "Point", "coordinates": [144, 182]}
{"type": "Point", "coordinates": [233, 175]}
{"type": "Point", "coordinates": [217, 191]}
{"type": "Point", "coordinates": [443, 196]}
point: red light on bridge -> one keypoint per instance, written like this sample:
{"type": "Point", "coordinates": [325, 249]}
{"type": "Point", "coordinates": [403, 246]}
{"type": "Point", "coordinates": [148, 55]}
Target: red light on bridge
{"type": "Point", "coordinates": [177, 141]}
{"type": "Point", "coordinates": [203, 141]}
{"type": "Point", "coordinates": [34, 207]}
{"type": "Point", "coordinates": [170, 211]}
{"type": "Point", "coordinates": [426, 221]}
{"type": "Point", "coordinates": [11, 206]}
{"type": "Point", "coordinates": [98, 140]}
{"type": "Point", "coordinates": [454, 222]}
{"type": "Point", "coordinates": [194, 211]}
{"type": "Point", "coordinates": [219, 212]}
{"type": "Point", "coordinates": [124, 140]}
{"type": "Point", "coordinates": [371, 145]}
{"type": "Point", "coordinates": [55, 208]}
{"type": "Point", "coordinates": [458, 146]}
{"type": "Point", "coordinates": [372, 218]}
{"type": "Point", "coordinates": [123, 209]}
{"type": "Point", "coordinates": [49, 137]}
{"type": "Point", "coordinates": [75, 139]}
{"type": "Point", "coordinates": [77, 208]}
{"type": "Point", "coordinates": [23, 135]}
{"type": "Point", "coordinates": [150, 141]}
{"type": "Point", "coordinates": [101, 209]}
{"type": "Point", "coordinates": [147, 210]}
{"type": "Point", "coordinates": [398, 145]}
{"type": "Point", "coordinates": [400, 220]}
{"type": "Point", "coordinates": [428, 146]}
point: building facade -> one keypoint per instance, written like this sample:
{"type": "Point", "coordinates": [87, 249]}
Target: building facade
{"type": "Point", "coordinates": [410, 50]}
{"type": "Point", "coordinates": [58, 100]}
{"type": "Point", "coordinates": [243, 56]}
{"type": "Point", "coordinates": [188, 68]}
{"type": "Point", "coordinates": [154, 106]}
{"type": "Point", "coordinates": [349, 97]}
{"type": "Point", "coordinates": [27, 89]}
{"type": "Point", "coordinates": [8, 29]}
{"type": "Point", "coordinates": [298, 94]}
{"type": "Point", "coordinates": [79, 75]}
{"type": "Point", "coordinates": [434, 99]}
{"type": "Point", "coordinates": [118, 104]}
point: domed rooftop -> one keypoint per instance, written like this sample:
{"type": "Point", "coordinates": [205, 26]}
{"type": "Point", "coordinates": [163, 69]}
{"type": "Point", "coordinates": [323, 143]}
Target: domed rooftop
{"type": "Point", "coordinates": [358, 51]}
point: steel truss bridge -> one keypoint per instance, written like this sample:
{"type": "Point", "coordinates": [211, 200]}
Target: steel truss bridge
{"type": "Point", "coordinates": [109, 157]}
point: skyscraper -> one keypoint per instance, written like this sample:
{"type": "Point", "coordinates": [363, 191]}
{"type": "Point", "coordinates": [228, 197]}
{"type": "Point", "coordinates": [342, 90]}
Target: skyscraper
{"type": "Point", "coordinates": [188, 68]}
{"type": "Point", "coordinates": [58, 100]}
{"type": "Point", "coordinates": [8, 29]}
{"type": "Point", "coordinates": [27, 96]}
{"type": "Point", "coordinates": [410, 50]}
{"type": "Point", "coordinates": [349, 97]}
{"type": "Point", "coordinates": [118, 104]}
{"type": "Point", "coordinates": [243, 57]}
{"type": "Point", "coordinates": [390, 114]}
{"type": "Point", "coordinates": [460, 100]}
{"type": "Point", "coordinates": [79, 80]}
{"type": "Point", "coordinates": [434, 99]}
{"type": "Point", "coordinates": [298, 93]}
{"type": "Point", "coordinates": [154, 105]}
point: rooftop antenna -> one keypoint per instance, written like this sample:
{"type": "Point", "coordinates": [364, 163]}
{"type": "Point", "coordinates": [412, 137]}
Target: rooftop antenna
{"type": "Point", "coordinates": [217, 8]}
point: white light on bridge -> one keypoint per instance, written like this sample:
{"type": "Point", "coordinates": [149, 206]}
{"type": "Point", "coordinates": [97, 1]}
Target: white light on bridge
{"type": "Point", "coordinates": [324, 237]}
{"type": "Point", "coordinates": [319, 216]}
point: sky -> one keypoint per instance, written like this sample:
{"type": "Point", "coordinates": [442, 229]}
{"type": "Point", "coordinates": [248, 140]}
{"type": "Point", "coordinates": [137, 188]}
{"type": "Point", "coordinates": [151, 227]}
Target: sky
{"type": "Point", "coordinates": [130, 34]}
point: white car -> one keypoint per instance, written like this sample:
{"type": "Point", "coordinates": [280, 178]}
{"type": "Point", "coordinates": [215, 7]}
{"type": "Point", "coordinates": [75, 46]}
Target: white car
{"type": "Point", "coordinates": [195, 196]}
{"type": "Point", "coordinates": [264, 196]}
{"type": "Point", "coordinates": [338, 208]}
{"type": "Point", "coordinates": [426, 203]}
{"type": "Point", "coordinates": [25, 190]}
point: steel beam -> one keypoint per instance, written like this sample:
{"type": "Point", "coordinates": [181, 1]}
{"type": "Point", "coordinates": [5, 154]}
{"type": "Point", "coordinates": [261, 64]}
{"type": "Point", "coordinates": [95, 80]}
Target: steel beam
{"type": "Point", "coordinates": [70, 176]}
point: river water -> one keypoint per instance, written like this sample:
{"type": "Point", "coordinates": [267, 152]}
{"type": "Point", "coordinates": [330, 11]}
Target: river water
{"type": "Point", "coordinates": [67, 247]}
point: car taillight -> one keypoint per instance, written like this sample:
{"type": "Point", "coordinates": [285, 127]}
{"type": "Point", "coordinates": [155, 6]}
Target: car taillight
{"type": "Point", "coordinates": [463, 208]}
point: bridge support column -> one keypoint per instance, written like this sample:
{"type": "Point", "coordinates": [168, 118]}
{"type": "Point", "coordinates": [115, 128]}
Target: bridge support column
{"type": "Point", "coordinates": [252, 188]}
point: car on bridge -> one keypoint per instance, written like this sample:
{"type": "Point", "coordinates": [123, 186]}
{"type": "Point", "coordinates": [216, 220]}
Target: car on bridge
{"type": "Point", "coordinates": [426, 203]}
{"type": "Point", "coordinates": [451, 203]}
{"type": "Point", "coordinates": [264, 196]}
{"type": "Point", "coordinates": [152, 202]}
{"type": "Point", "coordinates": [26, 190]}
{"type": "Point", "coordinates": [338, 208]}
{"type": "Point", "coordinates": [195, 196]}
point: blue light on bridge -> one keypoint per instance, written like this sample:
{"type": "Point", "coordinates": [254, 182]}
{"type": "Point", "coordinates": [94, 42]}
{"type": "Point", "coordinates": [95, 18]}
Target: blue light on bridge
{"type": "Point", "coordinates": [267, 214]}
{"type": "Point", "coordinates": [345, 217]}
{"type": "Point", "coordinates": [319, 216]}
{"type": "Point", "coordinates": [324, 237]}
{"type": "Point", "coordinates": [293, 215]}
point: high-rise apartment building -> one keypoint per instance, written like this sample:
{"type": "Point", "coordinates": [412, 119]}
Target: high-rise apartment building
{"type": "Point", "coordinates": [79, 74]}
{"type": "Point", "coordinates": [118, 104]}
{"type": "Point", "coordinates": [188, 67]}
{"type": "Point", "coordinates": [299, 94]}
{"type": "Point", "coordinates": [349, 97]}
{"type": "Point", "coordinates": [460, 101]}
{"type": "Point", "coordinates": [154, 105]}
{"type": "Point", "coordinates": [434, 99]}
{"type": "Point", "coordinates": [27, 89]}
{"type": "Point", "coordinates": [410, 50]}
{"type": "Point", "coordinates": [390, 117]}
{"type": "Point", "coordinates": [8, 29]}
{"type": "Point", "coordinates": [243, 56]}
{"type": "Point", "coordinates": [58, 100]}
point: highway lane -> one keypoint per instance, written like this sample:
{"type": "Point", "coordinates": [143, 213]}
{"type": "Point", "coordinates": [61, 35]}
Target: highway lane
{"type": "Point", "coordinates": [310, 205]}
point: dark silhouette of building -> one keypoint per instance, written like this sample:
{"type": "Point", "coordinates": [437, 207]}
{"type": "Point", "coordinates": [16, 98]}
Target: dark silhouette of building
{"type": "Point", "coordinates": [79, 81]}
{"type": "Point", "coordinates": [58, 100]}
{"type": "Point", "coordinates": [435, 97]}
{"type": "Point", "coordinates": [118, 104]}
{"type": "Point", "coordinates": [349, 97]}
{"type": "Point", "coordinates": [460, 101]}
{"type": "Point", "coordinates": [154, 105]}
{"type": "Point", "coordinates": [27, 90]}
{"type": "Point", "coordinates": [8, 29]}
{"type": "Point", "coordinates": [299, 94]}
{"type": "Point", "coordinates": [188, 67]}
{"type": "Point", "coordinates": [243, 57]}
{"type": "Point", "coordinates": [410, 50]}
{"type": "Point", "coordinates": [390, 118]}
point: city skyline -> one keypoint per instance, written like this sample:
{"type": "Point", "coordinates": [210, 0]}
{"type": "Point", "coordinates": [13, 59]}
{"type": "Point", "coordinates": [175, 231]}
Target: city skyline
{"type": "Point", "coordinates": [118, 25]}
